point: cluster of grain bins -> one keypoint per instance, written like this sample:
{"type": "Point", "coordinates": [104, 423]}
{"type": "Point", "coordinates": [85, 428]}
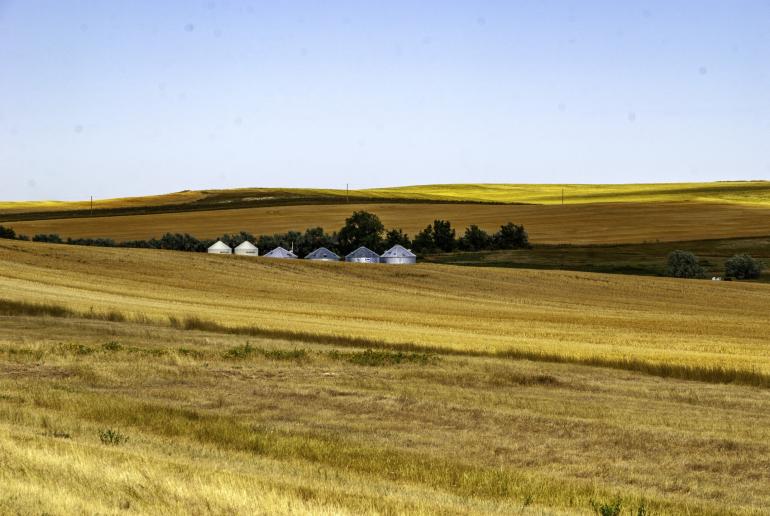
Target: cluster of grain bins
{"type": "Point", "coordinates": [280, 252]}
{"type": "Point", "coordinates": [244, 249]}
{"type": "Point", "coordinates": [395, 255]}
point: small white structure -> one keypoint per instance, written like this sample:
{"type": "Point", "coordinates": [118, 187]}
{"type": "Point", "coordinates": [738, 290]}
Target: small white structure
{"type": "Point", "coordinates": [246, 248]}
{"type": "Point", "coordinates": [363, 255]}
{"type": "Point", "coordinates": [322, 254]}
{"type": "Point", "coordinates": [280, 252]}
{"type": "Point", "coordinates": [398, 254]}
{"type": "Point", "coordinates": [220, 247]}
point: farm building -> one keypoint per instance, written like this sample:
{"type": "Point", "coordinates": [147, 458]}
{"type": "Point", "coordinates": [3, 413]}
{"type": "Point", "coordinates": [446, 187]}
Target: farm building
{"type": "Point", "coordinates": [322, 254]}
{"type": "Point", "coordinates": [398, 254]}
{"type": "Point", "coordinates": [363, 255]}
{"type": "Point", "coordinates": [220, 247]}
{"type": "Point", "coordinates": [246, 248]}
{"type": "Point", "coordinates": [280, 252]}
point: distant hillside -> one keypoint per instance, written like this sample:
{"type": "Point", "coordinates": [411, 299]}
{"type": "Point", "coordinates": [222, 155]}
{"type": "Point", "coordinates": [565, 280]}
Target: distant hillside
{"type": "Point", "coordinates": [742, 192]}
{"type": "Point", "coordinates": [736, 192]}
{"type": "Point", "coordinates": [632, 222]}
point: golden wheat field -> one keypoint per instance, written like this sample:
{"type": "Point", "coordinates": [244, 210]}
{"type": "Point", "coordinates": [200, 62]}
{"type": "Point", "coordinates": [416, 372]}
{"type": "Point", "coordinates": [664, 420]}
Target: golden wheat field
{"type": "Point", "coordinates": [578, 224]}
{"type": "Point", "coordinates": [139, 381]}
{"type": "Point", "coordinates": [570, 314]}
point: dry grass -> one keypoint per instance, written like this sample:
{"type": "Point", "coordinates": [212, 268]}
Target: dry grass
{"type": "Point", "coordinates": [582, 223]}
{"type": "Point", "coordinates": [582, 317]}
{"type": "Point", "coordinates": [211, 432]}
{"type": "Point", "coordinates": [337, 388]}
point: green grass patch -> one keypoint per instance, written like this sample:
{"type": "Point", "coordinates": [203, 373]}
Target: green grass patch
{"type": "Point", "coordinates": [247, 350]}
{"type": "Point", "coordinates": [380, 358]}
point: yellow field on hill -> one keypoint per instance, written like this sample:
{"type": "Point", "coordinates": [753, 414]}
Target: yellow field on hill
{"type": "Point", "coordinates": [178, 383]}
{"type": "Point", "coordinates": [576, 315]}
{"type": "Point", "coordinates": [578, 224]}
{"type": "Point", "coordinates": [126, 202]}
{"type": "Point", "coordinates": [741, 192]}
{"type": "Point", "coordinates": [737, 192]}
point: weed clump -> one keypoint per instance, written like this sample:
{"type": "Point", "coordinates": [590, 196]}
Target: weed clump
{"type": "Point", "coordinates": [240, 352]}
{"type": "Point", "coordinates": [112, 437]}
{"type": "Point", "coordinates": [80, 349]}
{"type": "Point", "coordinates": [190, 352]}
{"type": "Point", "coordinates": [246, 350]}
{"type": "Point", "coordinates": [373, 358]}
{"type": "Point", "coordinates": [112, 346]}
{"type": "Point", "coordinates": [607, 508]}
{"type": "Point", "coordinates": [285, 354]}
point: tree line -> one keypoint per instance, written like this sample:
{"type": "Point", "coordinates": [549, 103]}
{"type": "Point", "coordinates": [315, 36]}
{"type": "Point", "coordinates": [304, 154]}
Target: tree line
{"type": "Point", "coordinates": [362, 228]}
{"type": "Point", "coordinates": [684, 264]}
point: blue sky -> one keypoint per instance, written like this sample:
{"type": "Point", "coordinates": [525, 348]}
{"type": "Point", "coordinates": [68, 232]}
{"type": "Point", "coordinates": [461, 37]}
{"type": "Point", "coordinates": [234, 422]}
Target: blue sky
{"type": "Point", "coordinates": [127, 98]}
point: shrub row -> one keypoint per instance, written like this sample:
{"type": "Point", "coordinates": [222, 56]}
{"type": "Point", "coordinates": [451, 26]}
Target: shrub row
{"type": "Point", "coordinates": [361, 228]}
{"type": "Point", "coordinates": [684, 264]}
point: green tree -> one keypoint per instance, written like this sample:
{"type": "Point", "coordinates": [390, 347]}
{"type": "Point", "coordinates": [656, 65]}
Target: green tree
{"type": "Point", "coordinates": [237, 239]}
{"type": "Point", "coordinates": [7, 232]}
{"type": "Point", "coordinates": [444, 235]}
{"type": "Point", "coordinates": [475, 239]}
{"type": "Point", "coordinates": [743, 266]}
{"type": "Point", "coordinates": [361, 228]}
{"type": "Point", "coordinates": [683, 264]}
{"type": "Point", "coordinates": [53, 238]}
{"type": "Point", "coordinates": [511, 236]}
{"type": "Point", "coordinates": [313, 238]}
{"type": "Point", "coordinates": [397, 237]}
{"type": "Point", "coordinates": [424, 242]}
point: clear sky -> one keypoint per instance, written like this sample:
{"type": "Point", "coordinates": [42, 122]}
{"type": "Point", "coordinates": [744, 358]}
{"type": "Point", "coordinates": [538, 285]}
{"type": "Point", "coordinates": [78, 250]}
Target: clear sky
{"type": "Point", "coordinates": [127, 98]}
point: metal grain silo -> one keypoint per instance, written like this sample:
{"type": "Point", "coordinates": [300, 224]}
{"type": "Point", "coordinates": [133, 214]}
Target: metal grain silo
{"type": "Point", "coordinates": [322, 254]}
{"type": "Point", "coordinates": [280, 252]}
{"type": "Point", "coordinates": [363, 255]}
{"type": "Point", "coordinates": [398, 254]}
{"type": "Point", "coordinates": [246, 248]}
{"type": "Point", "coordinates": [219, 247]}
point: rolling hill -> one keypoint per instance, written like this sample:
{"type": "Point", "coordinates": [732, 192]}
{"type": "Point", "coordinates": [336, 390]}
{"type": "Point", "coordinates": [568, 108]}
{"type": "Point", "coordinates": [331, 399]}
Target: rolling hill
{"type": "Point", "coordinates": [166, 382]}
{"type": "Point", "coordinates": [592, 213]}
{"type": "Point", "coordinates": [738, 192]}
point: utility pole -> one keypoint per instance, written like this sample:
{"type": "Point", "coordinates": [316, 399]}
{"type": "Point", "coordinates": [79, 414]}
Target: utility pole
{"type": "Point", "coordinates": [347, 193]}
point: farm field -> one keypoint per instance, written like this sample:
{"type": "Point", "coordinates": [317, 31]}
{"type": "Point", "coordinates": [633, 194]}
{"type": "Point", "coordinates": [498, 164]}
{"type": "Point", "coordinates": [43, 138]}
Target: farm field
{"type": "Point", "coordinates": [219, 423]}
{"type": "Point", "coordinates": [577, 224]}
{"type": "Point", "coordinates": [571, 315]}
{"type": "Point", "coordinates": [739, 192]}
{"type": "Point", "coordinates": [344, 388]}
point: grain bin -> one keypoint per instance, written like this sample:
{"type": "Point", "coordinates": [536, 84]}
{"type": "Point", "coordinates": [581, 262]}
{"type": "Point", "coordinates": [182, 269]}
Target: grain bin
{"type": "Point", "coordinates": [219, 247]}
{"type": "Point", "coordinates": [322, 254]}
{"type": "Point", "coordinates": [280, 252]}
{"type": "Point", "coordinates": [398, 254]}
{"type": "Point", "coordinates": [246, 248]}
{"type": "Point", "coordinates": [363, 255]}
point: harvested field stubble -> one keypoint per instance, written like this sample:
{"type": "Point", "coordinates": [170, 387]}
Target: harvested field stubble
{"type": "Point", "coordinates": [577, 224]}
{"type": "Point", "coordinates": [657, 324]}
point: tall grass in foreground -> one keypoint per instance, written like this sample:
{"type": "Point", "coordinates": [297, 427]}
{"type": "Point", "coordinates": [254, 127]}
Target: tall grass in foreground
{"type": "Point", "coordinates": [228, 433]}
{"type": "Point", "coordinates": [701, 373]}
